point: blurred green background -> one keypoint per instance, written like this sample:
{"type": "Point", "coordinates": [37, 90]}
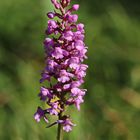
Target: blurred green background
{"type": "Point", "coordinates": [112, 105]}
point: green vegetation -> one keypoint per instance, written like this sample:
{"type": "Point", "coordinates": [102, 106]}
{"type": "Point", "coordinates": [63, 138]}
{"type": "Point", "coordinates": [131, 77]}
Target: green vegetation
{"type": "Point", "coordinates": [112, 105]}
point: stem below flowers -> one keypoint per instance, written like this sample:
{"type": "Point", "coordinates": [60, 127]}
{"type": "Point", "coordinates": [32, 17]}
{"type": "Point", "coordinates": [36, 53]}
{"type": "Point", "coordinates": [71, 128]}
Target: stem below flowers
{"type": "Point", "coordinates": [59, 130]}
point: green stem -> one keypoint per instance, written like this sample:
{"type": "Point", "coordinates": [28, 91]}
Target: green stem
{"type": "Point", "coordinates": [59, 130]}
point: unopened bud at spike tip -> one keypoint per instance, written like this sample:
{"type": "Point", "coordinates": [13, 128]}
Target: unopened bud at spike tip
{"type": "Point", "coordinates": [75, 7]}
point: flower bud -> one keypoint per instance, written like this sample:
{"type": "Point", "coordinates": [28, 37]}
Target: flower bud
{"type": "Point", "coordinates": [75, 7]}
{"type": "Point", "coordinates": [68, 1]}
{"type": "Point", "coordinates": [56, 4]}
{"type": "Point", "coordinates": [51, 15]}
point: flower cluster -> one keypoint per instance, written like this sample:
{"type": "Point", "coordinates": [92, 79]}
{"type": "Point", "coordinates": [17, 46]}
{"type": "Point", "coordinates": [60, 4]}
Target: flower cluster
{"type": "Point", "coordinates": [65, 52]}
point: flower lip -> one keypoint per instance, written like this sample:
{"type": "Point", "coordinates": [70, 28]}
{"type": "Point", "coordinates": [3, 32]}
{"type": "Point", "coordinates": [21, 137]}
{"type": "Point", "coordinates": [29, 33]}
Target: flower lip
{"type": "Point", "coordinates": [68, 35]}
{"type": "Point", "coordinates": [77, 92]}
{"type": "Point", "coordinates": [67, 124]}
{"type": "Point", "coordinates": [72, 18]}
{"type": "Point", "coordinates": [52, 24]}
{"type": "Point", "coordinates": [58, 53]}
{"type": "Point", "coordinates": [39, 114]}
{"type": "Point", "coordinates": [54, 109]}
{"type": "Point", "coordinates": [45, 93]}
